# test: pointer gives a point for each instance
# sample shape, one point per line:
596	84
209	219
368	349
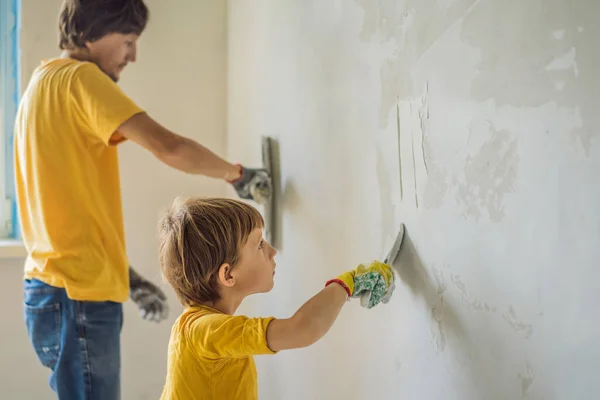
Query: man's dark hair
84	21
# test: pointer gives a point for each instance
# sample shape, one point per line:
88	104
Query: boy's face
256	268
113	52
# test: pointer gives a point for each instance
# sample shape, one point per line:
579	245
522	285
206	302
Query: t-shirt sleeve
226	336
102	104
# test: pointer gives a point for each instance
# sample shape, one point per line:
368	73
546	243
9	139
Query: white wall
498	146
179	79
474	122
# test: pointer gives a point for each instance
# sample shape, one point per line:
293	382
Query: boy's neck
227	304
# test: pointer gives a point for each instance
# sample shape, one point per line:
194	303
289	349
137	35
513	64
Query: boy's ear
225	277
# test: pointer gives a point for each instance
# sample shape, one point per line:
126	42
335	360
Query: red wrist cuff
339	282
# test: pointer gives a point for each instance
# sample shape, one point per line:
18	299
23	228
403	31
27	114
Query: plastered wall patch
516	324
489	175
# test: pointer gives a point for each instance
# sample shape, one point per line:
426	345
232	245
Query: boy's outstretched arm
312	321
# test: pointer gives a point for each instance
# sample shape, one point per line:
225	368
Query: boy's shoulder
217	335
203	320
203	317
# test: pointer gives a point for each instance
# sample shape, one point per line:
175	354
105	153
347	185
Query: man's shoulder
66	68
60	63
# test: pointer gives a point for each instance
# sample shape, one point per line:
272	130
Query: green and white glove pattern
372	288
373	283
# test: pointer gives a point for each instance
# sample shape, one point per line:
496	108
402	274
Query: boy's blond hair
197	236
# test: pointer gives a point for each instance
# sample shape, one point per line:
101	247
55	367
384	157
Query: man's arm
177	151
310	323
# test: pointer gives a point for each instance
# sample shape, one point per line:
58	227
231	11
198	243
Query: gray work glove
254	184
151	301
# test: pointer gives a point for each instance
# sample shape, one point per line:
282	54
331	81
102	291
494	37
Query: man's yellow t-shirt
67	179
211	356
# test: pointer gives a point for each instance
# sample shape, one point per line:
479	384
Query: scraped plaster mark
412	142
388	208
517	325
437	330
413	123
488	176
416	112
580	29
527	379
437	313
559	85
423	117
399	148
475	303
565	62
440	282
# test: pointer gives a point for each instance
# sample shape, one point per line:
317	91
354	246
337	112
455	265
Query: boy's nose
273	251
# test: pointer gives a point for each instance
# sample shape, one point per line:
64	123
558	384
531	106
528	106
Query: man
77	273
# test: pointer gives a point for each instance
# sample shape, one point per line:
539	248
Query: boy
71	118
213	255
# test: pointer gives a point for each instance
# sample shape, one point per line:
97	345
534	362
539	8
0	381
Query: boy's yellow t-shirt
67	179
211	356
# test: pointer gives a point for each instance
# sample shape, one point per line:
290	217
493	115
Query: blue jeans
78	340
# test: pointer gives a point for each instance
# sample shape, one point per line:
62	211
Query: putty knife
393	253
270	207
389	260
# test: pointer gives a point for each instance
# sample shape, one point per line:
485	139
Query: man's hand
372	283
151	301
254	184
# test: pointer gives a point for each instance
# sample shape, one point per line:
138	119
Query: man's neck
76	54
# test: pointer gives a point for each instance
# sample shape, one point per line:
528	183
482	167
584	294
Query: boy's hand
151	301
253	184
373	283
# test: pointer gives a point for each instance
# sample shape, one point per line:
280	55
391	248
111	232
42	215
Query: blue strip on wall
16	73
10	25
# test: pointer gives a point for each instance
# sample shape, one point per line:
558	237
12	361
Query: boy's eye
261	245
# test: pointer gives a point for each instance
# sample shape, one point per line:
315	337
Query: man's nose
133	53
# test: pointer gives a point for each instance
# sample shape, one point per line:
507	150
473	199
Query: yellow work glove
373	283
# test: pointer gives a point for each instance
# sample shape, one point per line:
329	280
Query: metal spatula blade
393	253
